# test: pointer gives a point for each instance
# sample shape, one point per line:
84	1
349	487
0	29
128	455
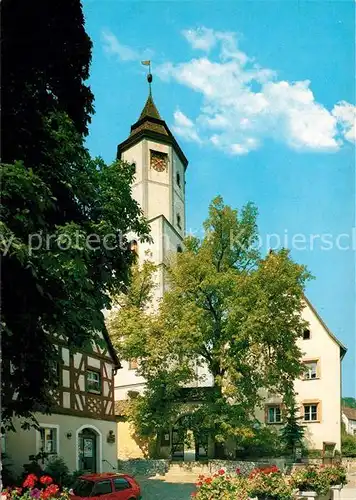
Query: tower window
179	249
178	179
179	221
306	334
133	165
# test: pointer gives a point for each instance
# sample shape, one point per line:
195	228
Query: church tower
159	188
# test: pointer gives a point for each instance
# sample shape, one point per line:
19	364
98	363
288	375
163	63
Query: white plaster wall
159	183
22	443
350	425
327	389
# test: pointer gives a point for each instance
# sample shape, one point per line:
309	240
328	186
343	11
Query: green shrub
348	446
8	477
312	453
58	470
265	443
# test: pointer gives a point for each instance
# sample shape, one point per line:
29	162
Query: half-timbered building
81	427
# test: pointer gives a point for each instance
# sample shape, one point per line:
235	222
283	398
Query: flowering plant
269	483
221	485
42	488
311	478
335	474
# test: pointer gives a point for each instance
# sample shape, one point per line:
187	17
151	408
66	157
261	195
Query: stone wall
143	467
245	467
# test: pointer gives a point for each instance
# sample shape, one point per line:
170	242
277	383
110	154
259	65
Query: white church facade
159	187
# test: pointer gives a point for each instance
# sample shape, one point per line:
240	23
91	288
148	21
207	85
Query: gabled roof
111	349
343	349
350	413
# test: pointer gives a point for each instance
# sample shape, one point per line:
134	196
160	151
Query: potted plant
221	485
310	482
269	483
336	477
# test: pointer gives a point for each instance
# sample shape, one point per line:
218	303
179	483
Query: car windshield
83	488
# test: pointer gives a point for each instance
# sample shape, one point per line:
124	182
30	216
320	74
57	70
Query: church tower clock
159	185
159	188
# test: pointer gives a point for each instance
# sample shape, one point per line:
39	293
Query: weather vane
149	75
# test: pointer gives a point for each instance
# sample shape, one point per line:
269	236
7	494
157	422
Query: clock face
159	160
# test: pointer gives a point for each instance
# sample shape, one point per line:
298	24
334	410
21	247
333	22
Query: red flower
50	491
46	480
238	471
199	483
208	480
194	494
221	472
30	481
18	491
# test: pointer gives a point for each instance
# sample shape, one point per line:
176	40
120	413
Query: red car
106	486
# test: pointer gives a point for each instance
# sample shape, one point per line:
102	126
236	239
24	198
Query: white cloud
243	103
184	127
202	38
112	46
346	116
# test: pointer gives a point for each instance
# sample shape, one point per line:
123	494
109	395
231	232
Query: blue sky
260	96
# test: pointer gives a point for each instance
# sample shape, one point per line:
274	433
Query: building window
306	334
311	370
274	414
179	221
311	412
133	364
179	249
49	440
133	165
178	178
93	382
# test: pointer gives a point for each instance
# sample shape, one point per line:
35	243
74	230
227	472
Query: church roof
149	119
151	125
149	109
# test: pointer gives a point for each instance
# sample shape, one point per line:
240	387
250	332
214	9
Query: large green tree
64	215
227	309
349	402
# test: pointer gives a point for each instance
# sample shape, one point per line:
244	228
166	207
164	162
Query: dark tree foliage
292	432
54	196
46	55
349	402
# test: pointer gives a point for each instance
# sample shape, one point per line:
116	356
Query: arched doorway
187	435
89	449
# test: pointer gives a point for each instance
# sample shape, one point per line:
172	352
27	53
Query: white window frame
309	365
310	412
274	421
93	391
38	437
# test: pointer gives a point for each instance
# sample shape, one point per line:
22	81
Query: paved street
157	488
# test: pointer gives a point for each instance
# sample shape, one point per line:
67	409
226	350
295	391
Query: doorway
186	434
88	450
